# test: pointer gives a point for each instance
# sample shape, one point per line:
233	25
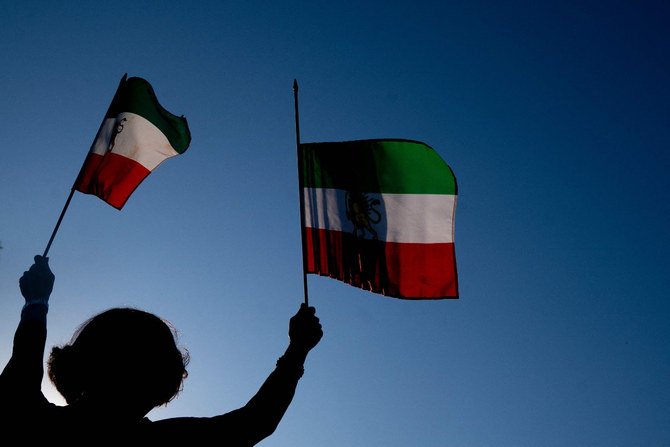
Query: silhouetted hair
123	349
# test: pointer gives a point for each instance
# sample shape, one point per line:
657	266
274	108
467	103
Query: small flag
379	215
136	135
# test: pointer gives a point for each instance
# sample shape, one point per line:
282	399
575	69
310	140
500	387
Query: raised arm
259	418
21	380
266	409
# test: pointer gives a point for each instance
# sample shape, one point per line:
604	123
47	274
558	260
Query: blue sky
553	116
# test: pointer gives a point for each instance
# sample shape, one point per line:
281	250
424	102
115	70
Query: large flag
136	135
379	215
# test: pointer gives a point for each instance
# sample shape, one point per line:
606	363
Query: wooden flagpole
300	193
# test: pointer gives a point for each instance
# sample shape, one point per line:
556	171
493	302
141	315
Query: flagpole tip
295	85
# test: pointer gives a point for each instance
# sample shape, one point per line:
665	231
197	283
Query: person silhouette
119	365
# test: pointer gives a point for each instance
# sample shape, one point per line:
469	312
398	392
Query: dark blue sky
553	116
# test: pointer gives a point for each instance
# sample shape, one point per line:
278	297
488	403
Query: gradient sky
553	116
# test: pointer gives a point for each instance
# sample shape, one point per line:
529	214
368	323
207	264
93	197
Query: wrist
288	365
293	361
35	310
32	301
297	352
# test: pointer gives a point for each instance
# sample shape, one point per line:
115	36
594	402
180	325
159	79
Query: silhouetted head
123	358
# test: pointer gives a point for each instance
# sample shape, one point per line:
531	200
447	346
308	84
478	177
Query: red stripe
408	271
111	177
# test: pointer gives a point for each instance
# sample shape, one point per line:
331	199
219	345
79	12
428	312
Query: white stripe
410	218
138	140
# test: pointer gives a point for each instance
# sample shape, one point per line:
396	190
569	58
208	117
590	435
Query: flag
136	135
379	215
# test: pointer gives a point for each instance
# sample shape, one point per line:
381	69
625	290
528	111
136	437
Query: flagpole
300	192
67	202
60	219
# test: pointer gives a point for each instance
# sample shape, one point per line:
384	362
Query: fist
305	329
37	283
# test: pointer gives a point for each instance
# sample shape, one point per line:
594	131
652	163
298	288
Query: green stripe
136	95
384	166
